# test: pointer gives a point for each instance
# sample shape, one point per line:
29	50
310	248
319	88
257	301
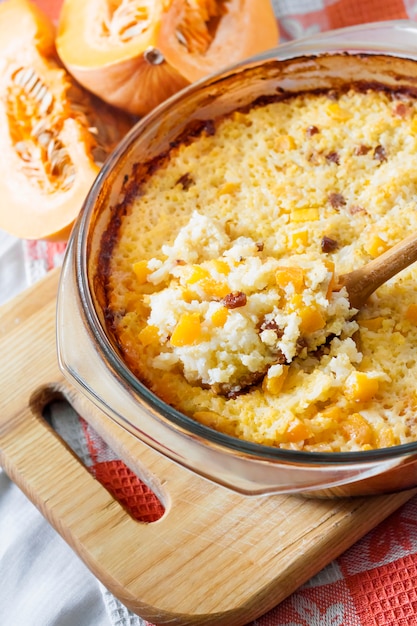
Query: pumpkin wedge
136	53
54	135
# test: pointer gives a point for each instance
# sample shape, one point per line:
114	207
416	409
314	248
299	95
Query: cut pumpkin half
54	135
136	53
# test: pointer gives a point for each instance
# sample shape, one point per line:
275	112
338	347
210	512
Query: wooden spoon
361	283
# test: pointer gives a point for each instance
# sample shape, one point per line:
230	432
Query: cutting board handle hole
140	502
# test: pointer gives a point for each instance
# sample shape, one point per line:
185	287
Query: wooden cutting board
215	557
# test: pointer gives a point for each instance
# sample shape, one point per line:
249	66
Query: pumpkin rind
133	85
186	46
54	136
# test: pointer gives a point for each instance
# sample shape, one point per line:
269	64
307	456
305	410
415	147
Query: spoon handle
361	283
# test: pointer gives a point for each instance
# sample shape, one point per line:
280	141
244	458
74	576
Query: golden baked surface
220	289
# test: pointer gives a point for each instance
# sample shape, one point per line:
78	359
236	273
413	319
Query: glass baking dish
376	53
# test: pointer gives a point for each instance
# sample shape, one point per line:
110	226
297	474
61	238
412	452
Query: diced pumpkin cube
329	265
221	266
332	286
361	387
187	331
311	319
333	412
336	112
214	289
305	215
228	188
141	271
285	276
297	431
385	437
376	246
148	335
283	143
295	302
298	239
274	384
357	429
374	323
197	273
219	317
188	295
210	286
411	313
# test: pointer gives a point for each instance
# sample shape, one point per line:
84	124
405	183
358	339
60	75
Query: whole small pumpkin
134	55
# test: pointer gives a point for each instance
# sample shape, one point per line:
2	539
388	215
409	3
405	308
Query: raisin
356	209
315	157
328	244
235	300
401	109
301	344
280	358
337	200
312	130
186	181
333	157
333	95
272	325
361	150
210	127
380	154
244	386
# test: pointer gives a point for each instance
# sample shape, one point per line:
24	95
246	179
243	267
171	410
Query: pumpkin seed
39	129
50	148
46	102
132	31
57	160
35	89
68	182
181	38
128	20
41	93
44	138
24	75
22	150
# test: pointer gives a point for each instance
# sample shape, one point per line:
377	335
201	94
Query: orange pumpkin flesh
136	54
54	136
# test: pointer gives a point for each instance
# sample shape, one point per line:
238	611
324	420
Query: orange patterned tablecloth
374	583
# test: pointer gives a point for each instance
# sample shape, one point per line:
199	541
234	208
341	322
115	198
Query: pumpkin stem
153	56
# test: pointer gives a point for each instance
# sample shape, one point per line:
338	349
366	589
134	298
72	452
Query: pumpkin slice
136	53
54	135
